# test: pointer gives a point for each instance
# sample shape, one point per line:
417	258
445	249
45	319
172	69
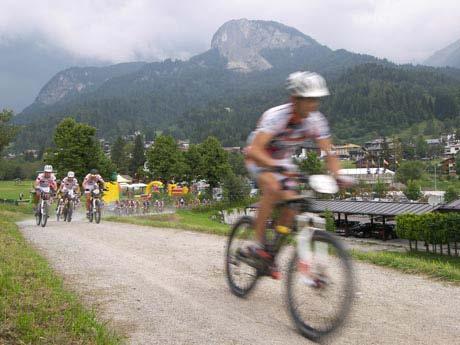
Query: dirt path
164	286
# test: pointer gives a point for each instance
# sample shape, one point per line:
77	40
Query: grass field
12	189
35	307
435	266
182	219
431	265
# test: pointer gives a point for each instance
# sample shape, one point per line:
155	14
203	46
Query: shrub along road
161	286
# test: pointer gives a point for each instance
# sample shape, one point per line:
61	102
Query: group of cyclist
130	206
68	185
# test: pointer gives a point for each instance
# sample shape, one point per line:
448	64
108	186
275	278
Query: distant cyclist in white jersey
280	131
69	183
92	180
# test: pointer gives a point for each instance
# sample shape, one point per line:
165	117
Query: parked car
384	231
362	230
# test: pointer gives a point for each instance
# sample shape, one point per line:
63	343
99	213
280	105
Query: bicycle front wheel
97	214
38	216
44	214
69	211
321	292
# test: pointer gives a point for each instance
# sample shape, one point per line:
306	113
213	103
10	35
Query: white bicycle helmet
307	84
48	168
71	174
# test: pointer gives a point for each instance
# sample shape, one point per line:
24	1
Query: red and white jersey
288	136
43	181
69	183
92	180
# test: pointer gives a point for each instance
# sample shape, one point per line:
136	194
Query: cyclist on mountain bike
91	181
69	183
280	131
43	180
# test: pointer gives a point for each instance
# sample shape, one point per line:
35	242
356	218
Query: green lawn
34	306
182	219
11	189
435	266
431	265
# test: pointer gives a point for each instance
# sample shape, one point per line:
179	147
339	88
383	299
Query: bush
330	222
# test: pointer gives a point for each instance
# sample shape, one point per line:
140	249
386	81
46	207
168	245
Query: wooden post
346	225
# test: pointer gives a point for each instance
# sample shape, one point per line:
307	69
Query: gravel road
164	286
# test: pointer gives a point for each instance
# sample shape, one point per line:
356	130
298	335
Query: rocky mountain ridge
448	56
243	41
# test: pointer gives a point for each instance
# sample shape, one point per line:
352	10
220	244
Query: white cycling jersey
91	181
288	135
69	183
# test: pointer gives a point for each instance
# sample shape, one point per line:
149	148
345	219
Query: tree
235	188
138	155
457	163
380	189
119	156
236	161
164	159
451	194
421	147
215	161
194	160
409	170
7	131
77	149
412	191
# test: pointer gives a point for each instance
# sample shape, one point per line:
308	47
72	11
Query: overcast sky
126	30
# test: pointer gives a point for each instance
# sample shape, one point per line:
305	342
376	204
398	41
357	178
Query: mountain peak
242	41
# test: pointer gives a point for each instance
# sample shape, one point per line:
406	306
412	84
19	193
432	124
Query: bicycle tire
69	212
231	260
38	217
347	290
44	216
97	214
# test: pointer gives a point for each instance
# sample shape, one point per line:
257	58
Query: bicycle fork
312	256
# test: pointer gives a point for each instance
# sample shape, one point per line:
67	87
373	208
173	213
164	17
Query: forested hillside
203	96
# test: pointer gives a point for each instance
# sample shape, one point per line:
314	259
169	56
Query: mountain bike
42	211
320	280
96	204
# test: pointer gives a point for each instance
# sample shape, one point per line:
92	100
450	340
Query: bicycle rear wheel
320	294
241	276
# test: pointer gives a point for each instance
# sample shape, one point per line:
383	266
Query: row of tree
438	229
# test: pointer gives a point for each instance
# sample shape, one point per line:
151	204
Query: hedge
437	229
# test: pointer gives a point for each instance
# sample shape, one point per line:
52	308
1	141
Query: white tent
124	179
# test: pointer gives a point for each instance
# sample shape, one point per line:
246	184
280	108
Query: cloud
126	30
